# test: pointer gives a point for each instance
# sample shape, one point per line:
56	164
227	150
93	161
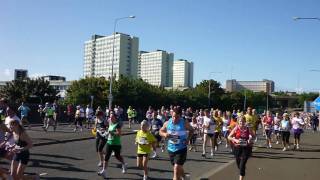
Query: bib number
243	142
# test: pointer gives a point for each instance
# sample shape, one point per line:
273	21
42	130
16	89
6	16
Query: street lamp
315	70
209	91
306	18
110	97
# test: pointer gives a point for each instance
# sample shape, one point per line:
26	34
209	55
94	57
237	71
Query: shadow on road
62	178
56	156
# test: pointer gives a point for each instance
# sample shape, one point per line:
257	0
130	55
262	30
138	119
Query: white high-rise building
182	73
156	67
98	56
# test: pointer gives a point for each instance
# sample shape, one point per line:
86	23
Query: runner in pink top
268	126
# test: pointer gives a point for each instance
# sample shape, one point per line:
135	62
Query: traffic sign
316	103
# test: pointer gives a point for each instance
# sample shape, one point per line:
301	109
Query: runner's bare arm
163	130
190	129
230	137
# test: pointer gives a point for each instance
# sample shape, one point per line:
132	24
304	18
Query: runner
149	114
42	115
24	110
241	136
314	122
49	113
209	126
21	149
70	114
89	116
176	131
55	108
250	119
156	125
268	124
277	121
225	127
145	140
217	115
257	121
297	125
113	145
130	113
285	127
200	123
193	140
79	117
101	139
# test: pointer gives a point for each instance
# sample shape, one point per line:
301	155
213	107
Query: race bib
155	127
174	140
143	141
243	142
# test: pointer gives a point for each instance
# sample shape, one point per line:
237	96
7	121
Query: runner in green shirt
113	145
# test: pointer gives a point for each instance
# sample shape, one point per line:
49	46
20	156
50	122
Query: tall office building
156	67
182	73
255	86
98	55
20	74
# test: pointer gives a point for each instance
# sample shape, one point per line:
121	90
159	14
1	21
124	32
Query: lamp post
209	91
110	97
315	70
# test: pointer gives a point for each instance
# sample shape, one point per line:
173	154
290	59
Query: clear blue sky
246	40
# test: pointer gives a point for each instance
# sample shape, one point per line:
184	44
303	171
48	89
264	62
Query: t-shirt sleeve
151	138
137	136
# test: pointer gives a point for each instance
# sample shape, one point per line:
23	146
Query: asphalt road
266	164
78	160
67	155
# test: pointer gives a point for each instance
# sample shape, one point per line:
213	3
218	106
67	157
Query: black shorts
178	157
3	152
22	157
112	148
268	133
210	135
142	155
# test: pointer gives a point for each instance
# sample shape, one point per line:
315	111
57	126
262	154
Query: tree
80	91
29	90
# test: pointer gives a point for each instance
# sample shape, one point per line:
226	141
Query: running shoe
145	177
100	164
226	145
298	146
216	148
203	155
277	142
288	147
102	173
124	168
270	146
154	155
220	142
75	129
211	154
284	149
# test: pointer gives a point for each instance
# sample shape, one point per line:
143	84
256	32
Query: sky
242	39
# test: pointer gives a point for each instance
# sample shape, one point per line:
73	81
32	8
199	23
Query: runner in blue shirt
24	110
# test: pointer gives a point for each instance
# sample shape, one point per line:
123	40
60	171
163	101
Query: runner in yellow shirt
145	140
217	133
250	119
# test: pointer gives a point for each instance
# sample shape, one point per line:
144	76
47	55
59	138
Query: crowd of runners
178	131
172	129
